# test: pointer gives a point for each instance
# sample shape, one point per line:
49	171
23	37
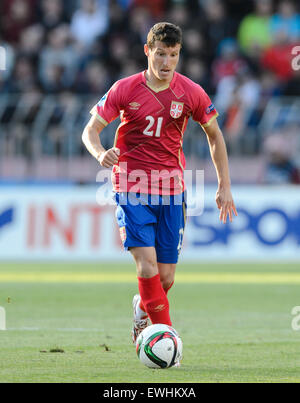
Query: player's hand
109	158
225	204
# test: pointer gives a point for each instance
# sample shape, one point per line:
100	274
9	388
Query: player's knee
147	267
146	262
166	279
167	283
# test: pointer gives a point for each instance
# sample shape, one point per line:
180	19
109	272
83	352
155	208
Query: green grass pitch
234	320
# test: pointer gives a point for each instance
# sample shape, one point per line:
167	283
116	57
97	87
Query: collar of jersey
160	88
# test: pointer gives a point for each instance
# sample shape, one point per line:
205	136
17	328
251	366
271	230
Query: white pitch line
2	318
36	329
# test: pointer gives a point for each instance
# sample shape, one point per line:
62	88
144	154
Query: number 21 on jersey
148	131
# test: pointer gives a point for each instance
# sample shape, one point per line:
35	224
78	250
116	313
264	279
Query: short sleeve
109	106
204	111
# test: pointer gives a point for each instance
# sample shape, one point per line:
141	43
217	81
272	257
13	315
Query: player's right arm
91	139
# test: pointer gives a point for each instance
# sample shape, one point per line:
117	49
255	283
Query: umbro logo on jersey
134	105
176	109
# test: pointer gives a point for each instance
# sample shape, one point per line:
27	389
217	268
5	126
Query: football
159	346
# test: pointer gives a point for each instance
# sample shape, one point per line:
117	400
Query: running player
148	165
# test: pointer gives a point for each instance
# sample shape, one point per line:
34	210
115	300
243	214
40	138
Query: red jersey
151	132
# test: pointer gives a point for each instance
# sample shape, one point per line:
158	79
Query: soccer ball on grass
159	346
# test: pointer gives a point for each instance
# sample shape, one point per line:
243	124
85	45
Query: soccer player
148	165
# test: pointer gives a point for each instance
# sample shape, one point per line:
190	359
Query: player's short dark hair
165	32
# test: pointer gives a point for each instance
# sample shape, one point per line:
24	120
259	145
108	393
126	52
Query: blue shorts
152	220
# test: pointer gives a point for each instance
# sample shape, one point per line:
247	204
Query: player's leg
169	237
145	259
137	230
153	296
167	275
139	311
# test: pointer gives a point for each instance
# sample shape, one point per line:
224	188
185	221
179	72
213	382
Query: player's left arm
219	157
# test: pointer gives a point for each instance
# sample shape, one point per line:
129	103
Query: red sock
166	290
154	300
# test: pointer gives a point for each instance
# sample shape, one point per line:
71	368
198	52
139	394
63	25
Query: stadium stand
62	56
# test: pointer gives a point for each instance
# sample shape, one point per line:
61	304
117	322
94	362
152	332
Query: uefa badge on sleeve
209	109
176	109
102	100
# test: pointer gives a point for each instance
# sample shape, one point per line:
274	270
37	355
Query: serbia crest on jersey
176	109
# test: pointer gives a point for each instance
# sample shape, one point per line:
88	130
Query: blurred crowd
237	48
239	51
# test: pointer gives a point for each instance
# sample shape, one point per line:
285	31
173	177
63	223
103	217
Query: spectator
155	7
278	57
90	21
23	78
194	44
269	87
94	79
106	44
196	71
229	62
118	49
237	98
286	21
254	30
139	23
280	167
217	26
129	68
178	14
118	19
17	15
58	61
51	13
32	40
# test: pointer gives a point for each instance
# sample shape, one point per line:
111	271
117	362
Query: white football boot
179	354
138	324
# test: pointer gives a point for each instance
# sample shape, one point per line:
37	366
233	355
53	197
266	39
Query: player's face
162	61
